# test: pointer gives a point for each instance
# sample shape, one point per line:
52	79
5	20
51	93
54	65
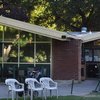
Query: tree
16	9
63	15
42	14
73	14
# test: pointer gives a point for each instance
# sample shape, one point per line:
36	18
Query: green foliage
67	15
73	14
41	56
42	15
22	40
28	59
63	15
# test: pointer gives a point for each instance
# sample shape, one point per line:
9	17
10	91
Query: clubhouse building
26	47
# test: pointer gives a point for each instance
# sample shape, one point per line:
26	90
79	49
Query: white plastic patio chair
14	86
49	84
33	85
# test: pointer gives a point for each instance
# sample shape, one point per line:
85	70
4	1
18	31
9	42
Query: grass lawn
64	98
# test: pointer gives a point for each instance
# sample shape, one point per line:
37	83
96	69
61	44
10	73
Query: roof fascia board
33	28
91	37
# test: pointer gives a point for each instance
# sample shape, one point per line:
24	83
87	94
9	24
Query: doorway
92	70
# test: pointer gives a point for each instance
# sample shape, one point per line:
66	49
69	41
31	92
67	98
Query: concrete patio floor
64	88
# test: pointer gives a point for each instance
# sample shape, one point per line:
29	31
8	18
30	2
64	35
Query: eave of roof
20	25
88	36
91	37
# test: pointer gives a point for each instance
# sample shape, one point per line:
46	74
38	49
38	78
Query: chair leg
45	94
42	93
50	93
57	93
16	95
12	95
24	94
28	92
31	94
8	95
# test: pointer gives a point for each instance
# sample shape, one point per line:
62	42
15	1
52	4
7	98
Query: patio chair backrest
32	83
45	81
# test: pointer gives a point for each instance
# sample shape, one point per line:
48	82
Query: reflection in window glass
10	53
26	68
27	37
1	35
0	71
0	52
44	69
96	55
88	55
1	32
24	50
10	34
27	53
42	53
42	38
10	71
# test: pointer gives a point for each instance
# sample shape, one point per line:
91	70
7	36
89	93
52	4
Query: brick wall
66	61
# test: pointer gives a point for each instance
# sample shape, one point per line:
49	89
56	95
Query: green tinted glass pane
44	69
1	35
0	71
26	68
0	52
42	38
88	55
96	55
10	71
10	34
10	53
27	37
42	53
1	32
27	53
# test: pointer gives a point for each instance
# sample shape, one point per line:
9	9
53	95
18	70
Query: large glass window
0	52
21	52
0	71
10	34
96	55
42	38
27	53
10	53
1	32
44	69
88	55
42	53
10	71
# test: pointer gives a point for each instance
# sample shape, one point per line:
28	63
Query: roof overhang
86	36
91	37
20	25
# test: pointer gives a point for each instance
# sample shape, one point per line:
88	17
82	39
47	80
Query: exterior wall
66	60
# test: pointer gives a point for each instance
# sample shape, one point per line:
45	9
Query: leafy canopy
63	15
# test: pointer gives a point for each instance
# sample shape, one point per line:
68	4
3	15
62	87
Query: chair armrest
10	87
53	83
29	85
22	85
19	85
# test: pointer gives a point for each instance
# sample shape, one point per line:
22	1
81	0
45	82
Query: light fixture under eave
63	36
